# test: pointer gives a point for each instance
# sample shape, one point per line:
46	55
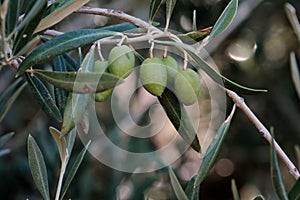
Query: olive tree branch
239	101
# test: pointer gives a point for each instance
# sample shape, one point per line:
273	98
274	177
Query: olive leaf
295	72
60	143
179	192
13	12
194	36
60	45
218	78
154	6
276	176
64	9
211	155
170	4
43	97
24	35
234	190
38	167
73	170
294	193
79	82
225	19
179	118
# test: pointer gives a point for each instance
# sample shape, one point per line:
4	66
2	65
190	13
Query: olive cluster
155	74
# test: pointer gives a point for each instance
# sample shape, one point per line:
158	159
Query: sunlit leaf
225	19
179	118
294	193
176	185
194	36
38	167
60	13
72	65
73	170
234	190
24	35
5	138
60	45
211	155
295	72
79	82
276	175
60	142
5	108
154	6
218	78
43	97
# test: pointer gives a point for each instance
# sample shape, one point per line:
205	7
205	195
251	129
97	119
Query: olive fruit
187	86
101	67
121	61
172	68
153	74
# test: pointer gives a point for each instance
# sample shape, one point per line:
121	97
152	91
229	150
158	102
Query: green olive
121	61
172	68
153	74
187	86
101	66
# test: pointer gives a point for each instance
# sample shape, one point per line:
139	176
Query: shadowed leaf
154	6
211	155
5	138
60	45
295	73
179	118
43	97
79	82
73	170
176	185
294	193
276	176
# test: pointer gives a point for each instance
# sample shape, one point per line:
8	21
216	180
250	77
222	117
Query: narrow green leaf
60	13
72	65
170	4
5	108
234	190
276	176
60	94
218	78
297	152
73	170
295	72
194	36
154	6
176	185
38	167
123	27
294	193
24	34
79	82
259	197
60	142
211	154
29	46
225	19
190	187
60	45
70	140
43	97
12	16
179	118
194	20
5	138
68	121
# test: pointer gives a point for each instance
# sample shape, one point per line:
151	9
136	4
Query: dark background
265	33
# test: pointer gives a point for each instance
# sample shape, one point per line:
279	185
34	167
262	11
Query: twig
114	14
239	101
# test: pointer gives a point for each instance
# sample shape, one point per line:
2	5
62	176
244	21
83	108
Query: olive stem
99	51
239	101
151	48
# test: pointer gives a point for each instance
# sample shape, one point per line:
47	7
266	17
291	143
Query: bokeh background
254	52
